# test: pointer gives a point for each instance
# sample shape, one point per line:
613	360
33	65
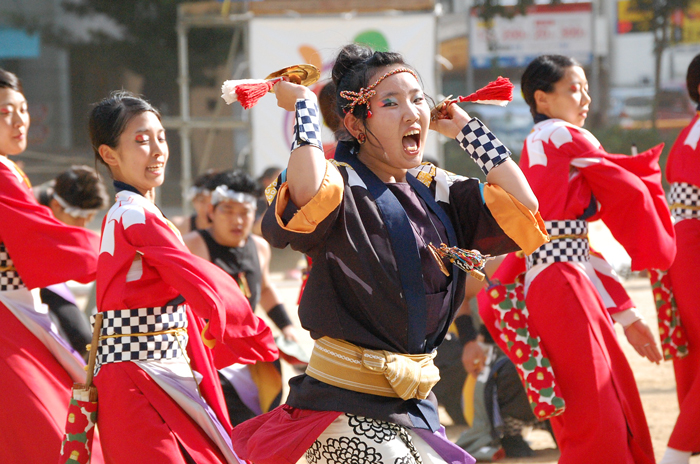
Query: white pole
186	147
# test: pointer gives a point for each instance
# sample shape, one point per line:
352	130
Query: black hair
692	79
353	68
271	172
44	192
541	74
109	118
9	80
202	179
81	187
237	180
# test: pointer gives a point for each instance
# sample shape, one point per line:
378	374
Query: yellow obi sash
376	372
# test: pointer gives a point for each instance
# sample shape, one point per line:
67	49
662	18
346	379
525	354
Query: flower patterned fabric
80	428
674	342
525	349
362	440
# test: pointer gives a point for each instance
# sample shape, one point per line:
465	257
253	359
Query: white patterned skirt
361	440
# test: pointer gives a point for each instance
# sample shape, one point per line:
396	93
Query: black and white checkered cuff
483	147
307	125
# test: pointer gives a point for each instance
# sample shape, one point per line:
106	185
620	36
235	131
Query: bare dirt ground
656	382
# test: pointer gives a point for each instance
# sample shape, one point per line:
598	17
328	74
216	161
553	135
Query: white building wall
632	60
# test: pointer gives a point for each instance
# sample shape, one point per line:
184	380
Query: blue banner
17	43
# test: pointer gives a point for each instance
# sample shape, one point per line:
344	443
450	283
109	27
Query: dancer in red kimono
575	180
37	367
683	173
170	318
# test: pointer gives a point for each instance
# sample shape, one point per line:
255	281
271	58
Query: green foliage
488	9
662	11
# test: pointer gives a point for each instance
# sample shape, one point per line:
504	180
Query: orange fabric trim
327	199
208	342
21	173
269	382
517	221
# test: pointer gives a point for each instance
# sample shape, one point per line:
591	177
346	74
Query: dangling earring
362	138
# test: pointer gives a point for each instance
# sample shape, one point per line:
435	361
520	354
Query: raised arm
457	124
307	163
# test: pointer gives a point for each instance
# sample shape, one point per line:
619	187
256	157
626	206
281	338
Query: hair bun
349	57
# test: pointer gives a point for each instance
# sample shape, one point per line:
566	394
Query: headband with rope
362	97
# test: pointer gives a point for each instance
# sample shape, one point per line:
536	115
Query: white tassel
492	102
228	89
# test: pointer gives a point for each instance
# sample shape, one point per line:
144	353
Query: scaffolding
236	16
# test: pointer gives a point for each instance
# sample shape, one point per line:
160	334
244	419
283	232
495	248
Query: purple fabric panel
447	450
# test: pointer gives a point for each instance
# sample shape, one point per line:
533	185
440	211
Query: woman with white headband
74	197
379	300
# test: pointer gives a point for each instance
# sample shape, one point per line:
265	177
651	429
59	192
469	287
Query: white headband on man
223	193
194	191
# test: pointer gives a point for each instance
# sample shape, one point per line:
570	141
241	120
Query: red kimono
683	173
573	177
604	278
36	372
144	264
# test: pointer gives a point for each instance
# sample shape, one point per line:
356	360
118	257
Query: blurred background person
74	197
253	389
268	176
199	196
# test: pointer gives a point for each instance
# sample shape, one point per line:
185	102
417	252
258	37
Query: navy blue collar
539	117
119	186
403	242
697	108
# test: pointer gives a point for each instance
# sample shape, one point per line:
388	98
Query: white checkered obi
307	125
562	249
483	147
685	201
9	278
140	347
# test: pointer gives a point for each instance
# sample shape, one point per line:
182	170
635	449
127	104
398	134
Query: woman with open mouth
379	299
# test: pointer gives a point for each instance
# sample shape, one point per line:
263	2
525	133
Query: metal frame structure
237	15
185	123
